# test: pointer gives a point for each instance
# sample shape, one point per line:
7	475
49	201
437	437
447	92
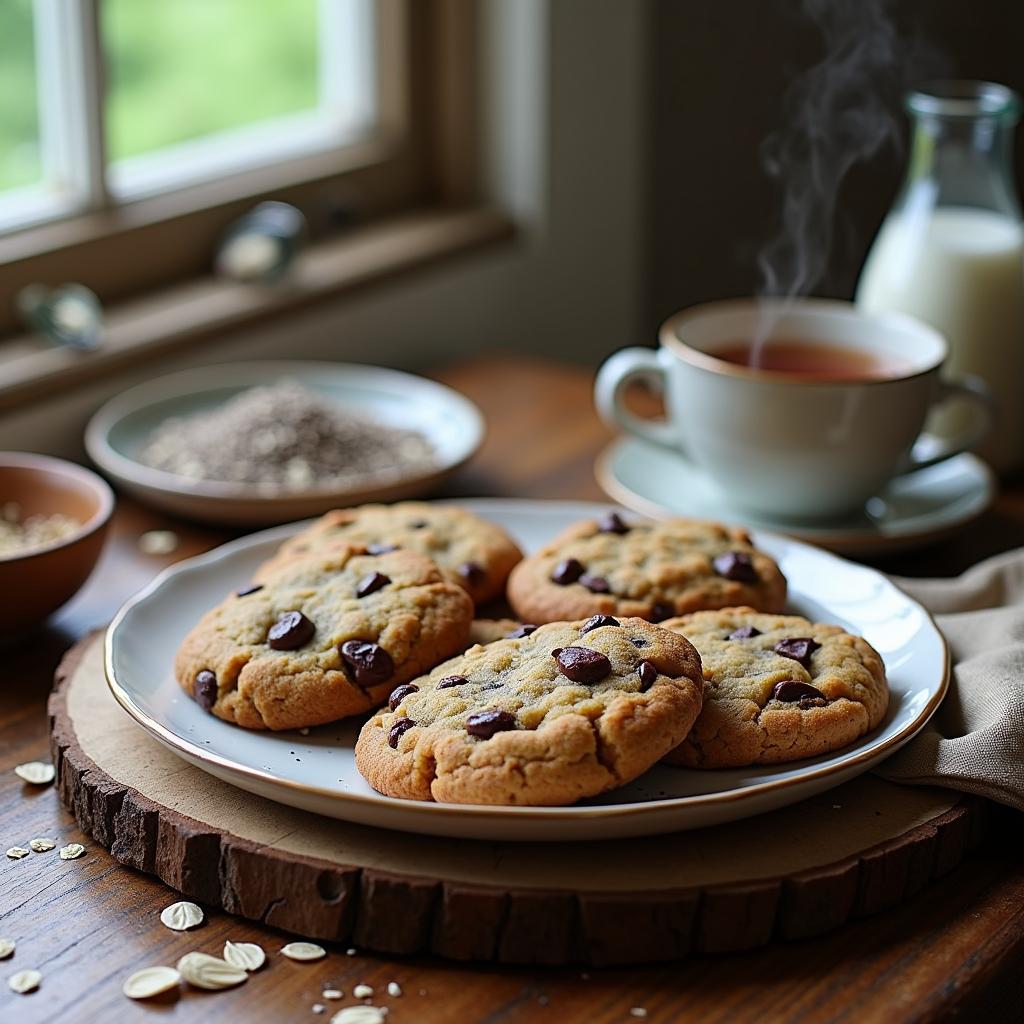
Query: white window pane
199	88
20	157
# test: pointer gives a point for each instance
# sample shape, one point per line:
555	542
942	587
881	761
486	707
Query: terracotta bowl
37	583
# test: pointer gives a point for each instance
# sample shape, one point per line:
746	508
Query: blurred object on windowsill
262	245
68	316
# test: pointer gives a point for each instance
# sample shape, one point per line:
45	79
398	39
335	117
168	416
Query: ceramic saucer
911	511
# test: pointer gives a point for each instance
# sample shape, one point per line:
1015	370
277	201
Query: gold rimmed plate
316	772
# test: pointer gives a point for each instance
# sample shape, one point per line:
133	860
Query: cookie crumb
394	989
319	1007
362	991
332	993
637	1011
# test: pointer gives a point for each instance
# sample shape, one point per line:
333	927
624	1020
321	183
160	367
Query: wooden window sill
176	318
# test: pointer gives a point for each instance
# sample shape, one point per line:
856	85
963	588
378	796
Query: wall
720	68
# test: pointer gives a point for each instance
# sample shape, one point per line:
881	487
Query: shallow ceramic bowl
34	584
115	435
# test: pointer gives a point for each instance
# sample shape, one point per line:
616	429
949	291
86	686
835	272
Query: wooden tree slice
796	872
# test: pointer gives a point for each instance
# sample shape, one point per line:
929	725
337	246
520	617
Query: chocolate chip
524	630
737	566
450	681
582	665
791	690
491	686
399	693
472	573
398	730
291	631
744	633
380	549
365	663
417	524
205	689
647	673
662	611
249	590
638	641
799	648
371	583
595	584
567	572
484	724
597	621
612	523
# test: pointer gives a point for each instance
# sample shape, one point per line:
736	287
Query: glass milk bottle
950	251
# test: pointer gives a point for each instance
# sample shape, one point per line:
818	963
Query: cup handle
617	373
977	391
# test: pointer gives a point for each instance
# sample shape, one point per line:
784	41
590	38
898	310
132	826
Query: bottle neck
962	161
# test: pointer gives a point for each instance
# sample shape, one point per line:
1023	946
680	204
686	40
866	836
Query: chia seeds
284	437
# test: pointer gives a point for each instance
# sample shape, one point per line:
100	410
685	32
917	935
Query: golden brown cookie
777	688
650	569
322	637
475	554
566	712
486	631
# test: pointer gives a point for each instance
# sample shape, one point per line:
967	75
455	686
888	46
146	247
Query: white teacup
790	444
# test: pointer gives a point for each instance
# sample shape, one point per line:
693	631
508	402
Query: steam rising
837	113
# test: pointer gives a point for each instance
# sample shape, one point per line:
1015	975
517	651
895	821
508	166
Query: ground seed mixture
284	437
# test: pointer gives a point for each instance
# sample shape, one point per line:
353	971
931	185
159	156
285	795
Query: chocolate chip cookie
322	637
486	631
567	711
777	688
650	569
475	554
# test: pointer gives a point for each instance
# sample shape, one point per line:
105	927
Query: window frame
422	154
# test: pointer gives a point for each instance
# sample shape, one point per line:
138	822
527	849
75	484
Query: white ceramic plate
114	435
913	510
317	772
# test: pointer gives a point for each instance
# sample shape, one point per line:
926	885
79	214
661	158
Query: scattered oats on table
6	948
41	845
17	852
158	542
24	981
304	951
247	955
72	851
285	437
181	916
150	981
210	972
38	773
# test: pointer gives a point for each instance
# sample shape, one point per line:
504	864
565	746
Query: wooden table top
87	924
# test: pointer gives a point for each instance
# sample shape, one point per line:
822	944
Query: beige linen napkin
975	741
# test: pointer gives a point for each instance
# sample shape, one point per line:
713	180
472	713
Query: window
113	100
196	89
132	132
